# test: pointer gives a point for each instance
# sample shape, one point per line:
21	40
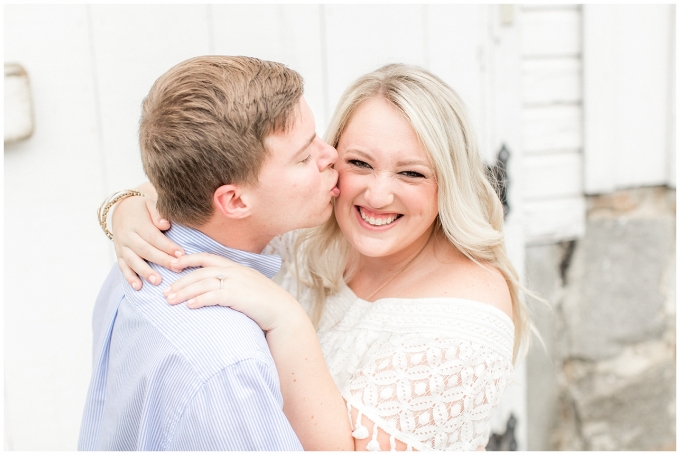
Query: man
230	145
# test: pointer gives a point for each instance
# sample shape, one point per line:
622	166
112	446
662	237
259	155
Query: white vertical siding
132	46
628	94
291	34
361	38
54	254
670	151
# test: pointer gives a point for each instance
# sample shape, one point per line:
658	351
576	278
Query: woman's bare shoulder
466	279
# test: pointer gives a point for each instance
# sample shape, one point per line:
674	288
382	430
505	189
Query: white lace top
429	372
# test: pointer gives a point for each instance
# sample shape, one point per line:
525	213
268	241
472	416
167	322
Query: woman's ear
232	201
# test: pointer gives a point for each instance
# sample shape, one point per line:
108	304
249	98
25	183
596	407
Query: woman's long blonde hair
470	212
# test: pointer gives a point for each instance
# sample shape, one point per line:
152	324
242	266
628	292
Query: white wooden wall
91	65
629	100
552	132
598	108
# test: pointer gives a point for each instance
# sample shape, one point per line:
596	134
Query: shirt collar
194	241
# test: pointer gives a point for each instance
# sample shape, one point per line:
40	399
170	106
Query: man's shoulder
209	339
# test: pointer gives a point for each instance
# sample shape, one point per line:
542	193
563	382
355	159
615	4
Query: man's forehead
299	132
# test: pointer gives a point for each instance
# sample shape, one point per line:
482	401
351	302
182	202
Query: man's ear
232	201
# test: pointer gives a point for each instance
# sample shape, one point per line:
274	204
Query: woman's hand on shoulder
241	288
137	236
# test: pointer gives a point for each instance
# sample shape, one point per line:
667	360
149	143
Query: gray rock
628	414
616	295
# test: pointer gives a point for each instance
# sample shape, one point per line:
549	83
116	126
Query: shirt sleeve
240	408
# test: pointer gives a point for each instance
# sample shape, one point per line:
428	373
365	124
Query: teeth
379	221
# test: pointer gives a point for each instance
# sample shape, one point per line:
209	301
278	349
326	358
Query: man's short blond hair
203	125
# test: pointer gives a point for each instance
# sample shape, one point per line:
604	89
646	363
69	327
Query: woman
415	302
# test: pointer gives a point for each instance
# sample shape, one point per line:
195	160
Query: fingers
210	299
157	239
130	275
196	276
200	260
194	290
131	260
158	221
148	248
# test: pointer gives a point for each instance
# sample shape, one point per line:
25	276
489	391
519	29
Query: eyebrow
302	149
413	162
399	163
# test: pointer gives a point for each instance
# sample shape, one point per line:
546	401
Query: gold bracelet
103	210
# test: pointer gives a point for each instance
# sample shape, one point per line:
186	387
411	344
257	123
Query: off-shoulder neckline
344	287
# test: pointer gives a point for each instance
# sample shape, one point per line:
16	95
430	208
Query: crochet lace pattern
429	372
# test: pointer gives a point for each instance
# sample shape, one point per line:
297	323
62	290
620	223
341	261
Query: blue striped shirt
171	378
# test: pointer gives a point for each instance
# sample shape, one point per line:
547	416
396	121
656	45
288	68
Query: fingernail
136	286
172	296
190	302
152	279
166	290
178	253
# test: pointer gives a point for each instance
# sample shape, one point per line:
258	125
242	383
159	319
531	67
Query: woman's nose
379	191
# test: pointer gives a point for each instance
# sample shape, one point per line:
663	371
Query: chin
372	250
318	219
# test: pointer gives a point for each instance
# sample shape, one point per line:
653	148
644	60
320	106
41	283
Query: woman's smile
374	219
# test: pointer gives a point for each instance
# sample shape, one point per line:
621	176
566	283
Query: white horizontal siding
548	6
555	219
551	33
552	123
551	81
552	176
552	127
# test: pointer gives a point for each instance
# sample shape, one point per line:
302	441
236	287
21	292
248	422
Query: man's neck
235	234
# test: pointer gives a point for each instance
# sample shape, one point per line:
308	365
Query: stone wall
605	377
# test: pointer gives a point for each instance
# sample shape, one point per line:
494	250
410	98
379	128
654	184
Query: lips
335	191
376	219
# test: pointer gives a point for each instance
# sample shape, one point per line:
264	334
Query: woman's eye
306	160
412	174
359	163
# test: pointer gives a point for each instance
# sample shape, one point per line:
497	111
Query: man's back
170	378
